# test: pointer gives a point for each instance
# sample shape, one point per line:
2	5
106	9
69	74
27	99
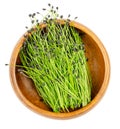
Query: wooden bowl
99	67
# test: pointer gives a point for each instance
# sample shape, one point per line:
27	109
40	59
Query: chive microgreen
54	58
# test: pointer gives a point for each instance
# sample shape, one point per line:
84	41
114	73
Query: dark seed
38	67
61	16
51	10
32	21
29	31
37	20
48	16
44	21
52	7
57	8
68	15
75	49
68	20
34	14
30	15
81	47
37	24
51	19
37	12
26	27
32	29
44	9
54	11
6	64
25	36
49	4
75	17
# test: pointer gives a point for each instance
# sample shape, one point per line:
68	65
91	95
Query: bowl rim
75	113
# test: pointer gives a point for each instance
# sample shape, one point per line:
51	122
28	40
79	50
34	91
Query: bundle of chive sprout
54	58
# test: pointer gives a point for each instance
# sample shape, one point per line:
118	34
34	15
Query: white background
103	18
